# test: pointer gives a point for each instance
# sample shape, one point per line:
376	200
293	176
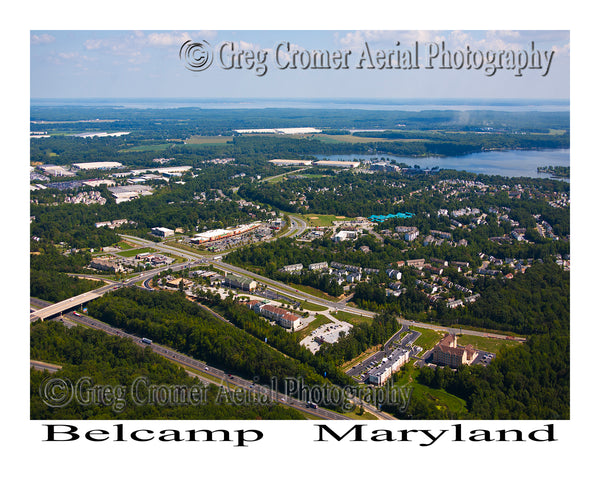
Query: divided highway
209	374
212	374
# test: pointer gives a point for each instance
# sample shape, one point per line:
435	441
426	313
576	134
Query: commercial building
239	282
388	366
336	163
97	165
111	224
283	131
448	352
344	235
280	315
166	171
175	282
287	163
221	233
384	167
162	232
129	192
56	171
107	264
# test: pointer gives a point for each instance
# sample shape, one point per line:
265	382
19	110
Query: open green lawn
492	345
125	245
316	220
312	307
428	338
283	176
312	175
312	291
207	140
148	148
136	251
442	399
352	318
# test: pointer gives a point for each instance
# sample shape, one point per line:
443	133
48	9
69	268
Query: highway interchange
209	373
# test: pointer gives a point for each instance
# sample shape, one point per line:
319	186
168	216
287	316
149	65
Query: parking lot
360	371
328	333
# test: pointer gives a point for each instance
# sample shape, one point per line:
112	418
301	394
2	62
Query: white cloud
94	44
389	37
167	39
42	38
68	55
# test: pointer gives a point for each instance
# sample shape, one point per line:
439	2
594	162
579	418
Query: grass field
352	318
133	253
311	307
159	147
123	245
316	220
312	291
208	140
492	345
428	337
442	399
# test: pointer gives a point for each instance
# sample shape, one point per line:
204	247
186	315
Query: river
508	163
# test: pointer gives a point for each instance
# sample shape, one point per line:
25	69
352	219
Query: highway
43	366
297	227
209	373
198	259
193	259
69	303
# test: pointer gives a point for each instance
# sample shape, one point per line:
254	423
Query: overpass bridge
68	304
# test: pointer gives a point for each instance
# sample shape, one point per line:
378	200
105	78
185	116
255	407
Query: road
297	227
198	259
193	259
43	366
209	373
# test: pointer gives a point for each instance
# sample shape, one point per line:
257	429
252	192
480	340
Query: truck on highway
147	341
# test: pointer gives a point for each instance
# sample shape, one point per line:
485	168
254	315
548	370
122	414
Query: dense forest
526	382
173	122
47	273
174	321
99	360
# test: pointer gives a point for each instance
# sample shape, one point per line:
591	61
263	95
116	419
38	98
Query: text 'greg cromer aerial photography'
299	225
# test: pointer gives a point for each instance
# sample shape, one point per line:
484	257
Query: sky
153	64
108	49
